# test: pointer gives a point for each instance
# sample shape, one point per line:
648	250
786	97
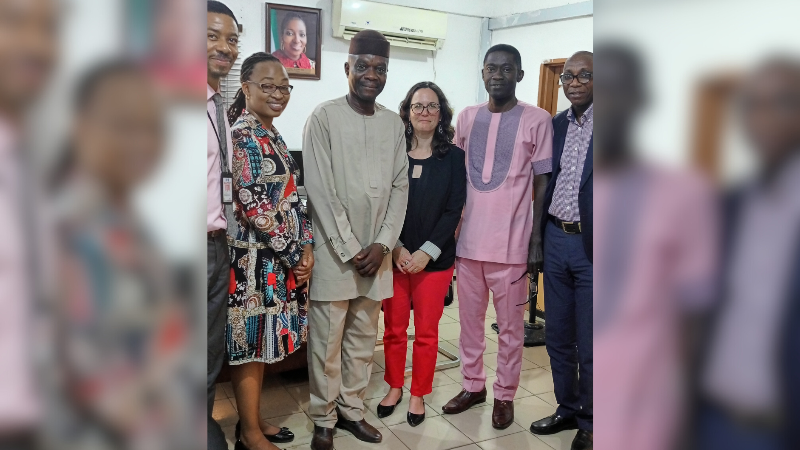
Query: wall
679	47
449	68
539	42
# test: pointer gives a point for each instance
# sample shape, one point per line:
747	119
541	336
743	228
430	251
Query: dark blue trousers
568	313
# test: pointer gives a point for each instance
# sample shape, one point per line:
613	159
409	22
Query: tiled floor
284	403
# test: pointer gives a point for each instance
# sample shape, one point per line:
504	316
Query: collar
587	116
258	129
210	92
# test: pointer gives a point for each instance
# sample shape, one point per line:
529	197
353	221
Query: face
622	103
28	49
770	106
424	121
579	94
366	75
120	135
271	104
501	75
294	38
223	45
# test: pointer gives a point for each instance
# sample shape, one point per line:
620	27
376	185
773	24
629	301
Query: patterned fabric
576	144
267	312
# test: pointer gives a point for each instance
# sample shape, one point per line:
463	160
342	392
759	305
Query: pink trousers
474	281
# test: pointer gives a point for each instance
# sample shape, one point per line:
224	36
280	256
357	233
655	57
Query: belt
566	227
215	233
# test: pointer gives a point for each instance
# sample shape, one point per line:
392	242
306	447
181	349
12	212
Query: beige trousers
341	343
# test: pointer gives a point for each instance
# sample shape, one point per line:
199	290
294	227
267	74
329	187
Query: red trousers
427	290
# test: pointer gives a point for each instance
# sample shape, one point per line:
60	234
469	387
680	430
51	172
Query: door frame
549	84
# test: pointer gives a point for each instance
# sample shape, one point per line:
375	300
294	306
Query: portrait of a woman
292	42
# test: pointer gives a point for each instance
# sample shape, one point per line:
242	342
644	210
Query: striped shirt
576	144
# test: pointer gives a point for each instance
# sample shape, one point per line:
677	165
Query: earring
409	130
440	128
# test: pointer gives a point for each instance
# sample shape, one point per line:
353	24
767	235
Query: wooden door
549	84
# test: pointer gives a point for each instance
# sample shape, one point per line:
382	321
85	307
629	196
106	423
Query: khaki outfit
357	183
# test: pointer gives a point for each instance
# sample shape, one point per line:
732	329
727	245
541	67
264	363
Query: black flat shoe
415	419
386	411
281	437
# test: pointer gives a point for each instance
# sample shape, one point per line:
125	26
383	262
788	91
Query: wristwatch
386	250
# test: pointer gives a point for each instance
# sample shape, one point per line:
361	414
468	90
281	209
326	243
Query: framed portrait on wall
294	36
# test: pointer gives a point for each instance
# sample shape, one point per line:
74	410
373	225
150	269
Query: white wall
539	42
454	68
679	46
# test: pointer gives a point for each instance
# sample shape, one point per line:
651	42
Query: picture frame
294	35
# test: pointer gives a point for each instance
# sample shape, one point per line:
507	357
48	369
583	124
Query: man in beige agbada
354	154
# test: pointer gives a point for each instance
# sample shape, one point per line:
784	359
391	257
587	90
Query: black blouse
435	201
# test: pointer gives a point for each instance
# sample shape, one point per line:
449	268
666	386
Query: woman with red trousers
425	255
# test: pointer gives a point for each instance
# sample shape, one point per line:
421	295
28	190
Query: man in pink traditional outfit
508	145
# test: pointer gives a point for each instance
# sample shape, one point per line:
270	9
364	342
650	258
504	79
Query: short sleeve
542	137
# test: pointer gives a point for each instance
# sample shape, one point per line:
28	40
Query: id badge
227	188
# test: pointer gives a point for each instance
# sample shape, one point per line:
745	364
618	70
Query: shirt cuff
346	250
399	244
431	249
542	166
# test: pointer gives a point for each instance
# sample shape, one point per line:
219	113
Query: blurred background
102	191
698	216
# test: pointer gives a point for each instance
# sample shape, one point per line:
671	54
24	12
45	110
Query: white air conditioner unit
402	26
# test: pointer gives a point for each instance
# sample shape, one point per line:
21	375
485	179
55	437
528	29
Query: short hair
508	49
290	17
626	57
220	8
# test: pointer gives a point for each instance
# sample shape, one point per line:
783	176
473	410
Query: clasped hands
408	263
302	271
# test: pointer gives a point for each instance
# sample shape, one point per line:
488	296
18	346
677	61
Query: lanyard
223	161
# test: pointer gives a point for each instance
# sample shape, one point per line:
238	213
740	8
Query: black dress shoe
361	430
553	424
386	411
281	437
416	419
583	440
322	440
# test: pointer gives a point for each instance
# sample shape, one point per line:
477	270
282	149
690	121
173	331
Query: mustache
223	56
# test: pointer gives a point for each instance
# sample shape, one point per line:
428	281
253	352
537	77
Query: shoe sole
502	426
371	441
558	430
483	400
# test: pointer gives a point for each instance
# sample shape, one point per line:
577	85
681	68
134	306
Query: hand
368	261
535	258
302	271
401	258
418	262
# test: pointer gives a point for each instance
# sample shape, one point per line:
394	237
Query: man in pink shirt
28	52
508	146
222	37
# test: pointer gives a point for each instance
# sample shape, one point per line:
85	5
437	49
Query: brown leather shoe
323	438
463	401
502	414
361	430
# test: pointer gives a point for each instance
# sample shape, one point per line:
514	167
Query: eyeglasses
432	108
583	77
268	88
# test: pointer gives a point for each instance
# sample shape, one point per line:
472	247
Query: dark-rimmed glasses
269	88
432	108
583	77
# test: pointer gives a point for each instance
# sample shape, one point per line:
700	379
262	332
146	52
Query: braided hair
238	106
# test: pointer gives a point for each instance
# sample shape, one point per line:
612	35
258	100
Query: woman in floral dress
270	246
